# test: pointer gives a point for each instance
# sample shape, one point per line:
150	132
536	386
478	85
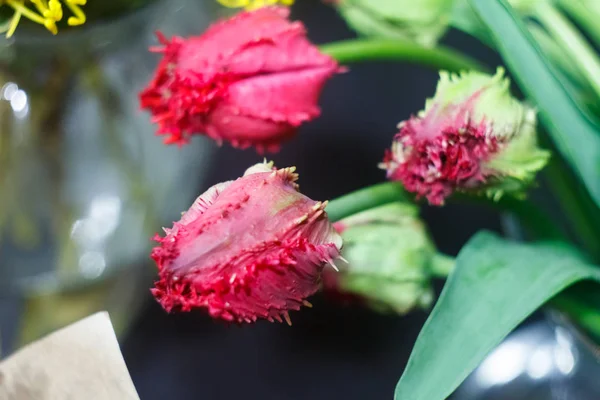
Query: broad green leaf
465	19
496	284
575	135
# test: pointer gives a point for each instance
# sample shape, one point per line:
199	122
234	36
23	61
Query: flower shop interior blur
101	146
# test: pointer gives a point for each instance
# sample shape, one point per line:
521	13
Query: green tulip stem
361	50
442	265
365	199
534	219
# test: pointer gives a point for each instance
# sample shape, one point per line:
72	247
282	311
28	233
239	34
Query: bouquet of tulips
255	248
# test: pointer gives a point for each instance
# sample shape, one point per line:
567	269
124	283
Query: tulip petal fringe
248	249
250	80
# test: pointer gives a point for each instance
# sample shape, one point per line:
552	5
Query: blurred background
99	166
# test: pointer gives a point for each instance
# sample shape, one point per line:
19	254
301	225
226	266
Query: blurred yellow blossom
253	4
43	12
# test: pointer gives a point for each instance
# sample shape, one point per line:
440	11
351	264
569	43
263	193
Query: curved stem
535	220
360	50
365	199
442	265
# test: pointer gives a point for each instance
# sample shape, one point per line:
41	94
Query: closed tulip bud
251	80
422	23
473	136
389	259
246	249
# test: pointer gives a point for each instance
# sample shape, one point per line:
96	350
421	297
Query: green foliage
575	135
495	285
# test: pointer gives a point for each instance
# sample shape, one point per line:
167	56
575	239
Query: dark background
330	351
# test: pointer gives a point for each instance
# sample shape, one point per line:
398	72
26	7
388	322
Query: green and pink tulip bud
473	136
389	260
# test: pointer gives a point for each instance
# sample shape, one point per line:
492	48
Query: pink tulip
250	80
246	249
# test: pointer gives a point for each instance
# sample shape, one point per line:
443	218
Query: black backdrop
330	351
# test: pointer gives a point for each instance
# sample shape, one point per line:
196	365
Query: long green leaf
496	284
464	19
586	13
575	135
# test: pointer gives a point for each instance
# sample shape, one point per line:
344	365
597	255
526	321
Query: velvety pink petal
243	216
244	131
288	52
289	97
249	80
203	201
226	37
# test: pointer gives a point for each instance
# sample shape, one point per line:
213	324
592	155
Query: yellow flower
43	12
253	4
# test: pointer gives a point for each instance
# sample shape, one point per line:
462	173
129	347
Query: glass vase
84	182
546	358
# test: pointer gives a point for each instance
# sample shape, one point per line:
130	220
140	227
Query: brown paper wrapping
80	362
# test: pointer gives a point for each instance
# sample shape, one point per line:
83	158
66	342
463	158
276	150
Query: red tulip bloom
250	80
246	249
